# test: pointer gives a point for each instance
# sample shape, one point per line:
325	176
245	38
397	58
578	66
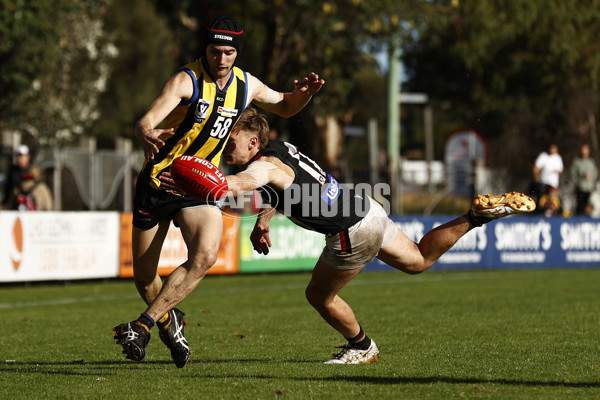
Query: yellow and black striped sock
164	322
145	322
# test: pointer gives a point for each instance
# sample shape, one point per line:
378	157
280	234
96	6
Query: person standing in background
35	194
584	174
547	170
14	177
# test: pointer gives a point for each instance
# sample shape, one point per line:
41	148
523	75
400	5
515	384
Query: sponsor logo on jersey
228	112
201	110
332	191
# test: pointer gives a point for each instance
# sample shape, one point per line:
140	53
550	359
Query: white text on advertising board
523	236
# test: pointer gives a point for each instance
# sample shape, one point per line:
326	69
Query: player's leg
322	294
404	254
146	246
201	228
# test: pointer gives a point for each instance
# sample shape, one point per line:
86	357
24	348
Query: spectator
547	171
34	192
13	179
584	174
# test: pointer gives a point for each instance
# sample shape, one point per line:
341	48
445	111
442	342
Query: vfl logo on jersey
201	110
228	112
332	191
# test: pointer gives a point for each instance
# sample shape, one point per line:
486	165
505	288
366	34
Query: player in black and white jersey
357	229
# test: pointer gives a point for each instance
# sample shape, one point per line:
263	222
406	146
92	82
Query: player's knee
314	297
200	263
415	269
143	278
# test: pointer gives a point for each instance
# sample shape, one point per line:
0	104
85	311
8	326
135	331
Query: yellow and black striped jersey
203	123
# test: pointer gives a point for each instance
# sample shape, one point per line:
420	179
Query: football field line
401	280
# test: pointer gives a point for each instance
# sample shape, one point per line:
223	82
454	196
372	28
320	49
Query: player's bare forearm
291	103
240	183
178	87
264	217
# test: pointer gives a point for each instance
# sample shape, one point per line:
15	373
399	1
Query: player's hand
310	85
167	182
260	239
150	140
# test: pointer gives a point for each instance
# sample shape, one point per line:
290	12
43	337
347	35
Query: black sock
477	221
361	341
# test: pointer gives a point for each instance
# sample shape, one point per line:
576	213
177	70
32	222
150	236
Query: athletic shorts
360	244
150	206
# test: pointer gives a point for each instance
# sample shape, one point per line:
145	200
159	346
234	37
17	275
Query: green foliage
144	62
25	59
510	66
527	334
53	65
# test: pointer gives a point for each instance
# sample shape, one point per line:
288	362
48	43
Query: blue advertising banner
513	242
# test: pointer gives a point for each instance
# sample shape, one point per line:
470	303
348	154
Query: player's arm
179	87
259	173
285	104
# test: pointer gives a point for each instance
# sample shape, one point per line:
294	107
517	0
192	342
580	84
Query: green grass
530	334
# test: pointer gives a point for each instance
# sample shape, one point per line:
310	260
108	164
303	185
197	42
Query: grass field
532	334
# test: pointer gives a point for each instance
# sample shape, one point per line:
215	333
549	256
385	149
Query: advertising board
514	242
38	246
293	248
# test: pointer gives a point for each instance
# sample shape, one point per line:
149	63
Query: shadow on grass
408	380
76	367
61	368
446	379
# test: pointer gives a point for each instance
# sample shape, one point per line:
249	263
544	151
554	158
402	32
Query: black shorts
150	206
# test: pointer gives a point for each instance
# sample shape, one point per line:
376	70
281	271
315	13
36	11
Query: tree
53	59
523	72
146	58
